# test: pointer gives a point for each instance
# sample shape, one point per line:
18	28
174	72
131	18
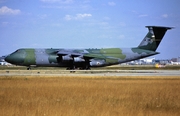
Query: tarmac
90	73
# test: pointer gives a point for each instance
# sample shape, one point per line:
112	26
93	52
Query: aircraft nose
8	59
15	58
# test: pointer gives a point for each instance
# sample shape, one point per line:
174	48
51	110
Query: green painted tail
153	37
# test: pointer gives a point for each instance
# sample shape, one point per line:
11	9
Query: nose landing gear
28	68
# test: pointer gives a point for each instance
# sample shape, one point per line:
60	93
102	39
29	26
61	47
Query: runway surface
90	72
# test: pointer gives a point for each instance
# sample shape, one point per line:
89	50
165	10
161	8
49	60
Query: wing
70	55
85	56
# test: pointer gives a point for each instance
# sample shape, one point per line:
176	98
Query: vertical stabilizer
153	37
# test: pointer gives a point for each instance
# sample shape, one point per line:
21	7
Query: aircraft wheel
29	68
70	68
67	68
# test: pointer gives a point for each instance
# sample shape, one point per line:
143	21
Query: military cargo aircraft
86	58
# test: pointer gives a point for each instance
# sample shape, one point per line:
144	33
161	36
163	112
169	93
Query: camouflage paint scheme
86	58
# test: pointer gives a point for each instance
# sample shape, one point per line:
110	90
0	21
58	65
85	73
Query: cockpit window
19	50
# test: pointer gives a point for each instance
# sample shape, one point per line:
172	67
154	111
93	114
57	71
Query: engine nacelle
79	59
67	58
97	62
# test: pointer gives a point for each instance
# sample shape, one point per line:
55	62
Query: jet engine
97	63
67	58
79	59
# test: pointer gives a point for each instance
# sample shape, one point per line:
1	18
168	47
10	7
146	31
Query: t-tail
153	37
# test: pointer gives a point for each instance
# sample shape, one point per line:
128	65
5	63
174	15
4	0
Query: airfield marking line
92	73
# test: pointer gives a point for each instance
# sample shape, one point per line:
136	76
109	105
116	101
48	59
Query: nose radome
7	59
15	58
10	59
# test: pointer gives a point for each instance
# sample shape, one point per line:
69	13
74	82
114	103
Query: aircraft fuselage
49	57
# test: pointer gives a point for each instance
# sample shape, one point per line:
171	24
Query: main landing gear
86	67
78	68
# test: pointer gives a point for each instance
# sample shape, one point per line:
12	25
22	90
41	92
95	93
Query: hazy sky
87	24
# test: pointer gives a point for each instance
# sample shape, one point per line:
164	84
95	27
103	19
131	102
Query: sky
87	24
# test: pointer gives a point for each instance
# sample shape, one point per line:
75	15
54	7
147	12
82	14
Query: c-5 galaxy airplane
86	58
